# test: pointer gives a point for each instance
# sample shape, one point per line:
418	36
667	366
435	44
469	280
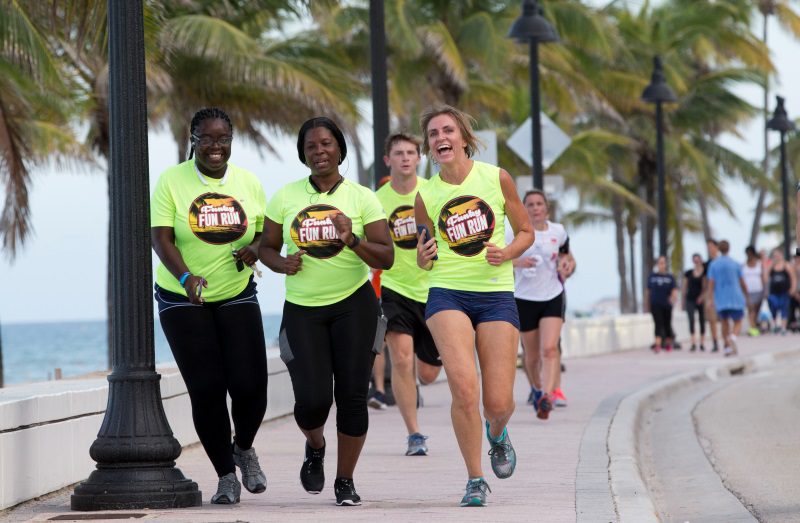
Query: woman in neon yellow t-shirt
334	230
206	216
471	296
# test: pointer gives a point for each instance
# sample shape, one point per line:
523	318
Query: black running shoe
312	473
346	492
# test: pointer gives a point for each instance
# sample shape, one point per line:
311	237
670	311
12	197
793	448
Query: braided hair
207	113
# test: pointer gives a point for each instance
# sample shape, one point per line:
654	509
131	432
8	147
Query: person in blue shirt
728	293
660	295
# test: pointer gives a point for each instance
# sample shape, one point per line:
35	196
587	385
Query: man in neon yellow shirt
404	287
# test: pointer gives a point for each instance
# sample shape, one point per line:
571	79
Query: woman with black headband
334	231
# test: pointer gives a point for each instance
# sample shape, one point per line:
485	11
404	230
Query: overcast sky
60	272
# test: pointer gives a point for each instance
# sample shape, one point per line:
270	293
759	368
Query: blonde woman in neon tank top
471	296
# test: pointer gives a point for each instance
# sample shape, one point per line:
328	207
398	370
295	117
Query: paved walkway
399	488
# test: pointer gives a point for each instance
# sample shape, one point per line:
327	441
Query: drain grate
88	517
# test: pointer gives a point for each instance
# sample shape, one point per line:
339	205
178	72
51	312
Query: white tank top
752	277
541	283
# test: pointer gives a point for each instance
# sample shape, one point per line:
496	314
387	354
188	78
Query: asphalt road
726	450
751	433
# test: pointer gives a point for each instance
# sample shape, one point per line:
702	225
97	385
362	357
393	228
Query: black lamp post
532	27
780	122
135	450
659	92
380	96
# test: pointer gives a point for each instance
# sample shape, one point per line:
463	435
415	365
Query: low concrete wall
603	335
46	429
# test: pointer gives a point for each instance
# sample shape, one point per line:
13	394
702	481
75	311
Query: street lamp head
532	25
658	90
780	121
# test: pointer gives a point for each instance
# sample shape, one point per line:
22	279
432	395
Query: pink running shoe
559	400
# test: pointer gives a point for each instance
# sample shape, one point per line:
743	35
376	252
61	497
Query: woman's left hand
494	254
344	228
247	254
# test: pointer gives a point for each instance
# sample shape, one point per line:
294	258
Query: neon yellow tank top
464	217
405	277
331	272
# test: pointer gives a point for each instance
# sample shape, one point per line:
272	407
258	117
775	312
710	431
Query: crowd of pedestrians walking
722	291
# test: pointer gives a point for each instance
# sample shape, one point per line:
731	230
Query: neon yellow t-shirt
330	272
464	216
210	219
405	277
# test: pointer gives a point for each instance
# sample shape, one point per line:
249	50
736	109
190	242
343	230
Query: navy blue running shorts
480	307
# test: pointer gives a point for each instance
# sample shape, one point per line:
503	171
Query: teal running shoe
476	493
503	456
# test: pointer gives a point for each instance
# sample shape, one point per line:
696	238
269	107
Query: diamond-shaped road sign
554	142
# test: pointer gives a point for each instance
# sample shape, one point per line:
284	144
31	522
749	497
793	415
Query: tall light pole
780	122
659	92
135	450
533	28
380	95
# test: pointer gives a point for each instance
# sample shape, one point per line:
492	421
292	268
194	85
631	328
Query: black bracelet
356	241
797	251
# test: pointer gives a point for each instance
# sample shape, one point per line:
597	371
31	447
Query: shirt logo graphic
403	227
313	231
465	222
217	218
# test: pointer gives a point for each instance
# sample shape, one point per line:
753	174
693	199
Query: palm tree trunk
703	204
619	232
363	173
677	240
762	193
631	239
647	193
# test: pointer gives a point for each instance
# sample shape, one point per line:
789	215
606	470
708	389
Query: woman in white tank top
755	276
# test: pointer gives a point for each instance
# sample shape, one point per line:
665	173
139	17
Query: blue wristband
184	277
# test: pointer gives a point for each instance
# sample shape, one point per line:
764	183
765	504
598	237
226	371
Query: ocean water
32	351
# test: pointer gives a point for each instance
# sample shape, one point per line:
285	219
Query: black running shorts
531	312
408	317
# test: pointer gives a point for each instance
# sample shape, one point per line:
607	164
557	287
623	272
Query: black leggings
662	316
219	348
329	352
691	308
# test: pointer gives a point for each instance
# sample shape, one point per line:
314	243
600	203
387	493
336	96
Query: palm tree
34	117
198	54
790	22
702	65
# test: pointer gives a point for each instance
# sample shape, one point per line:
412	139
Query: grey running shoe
503	456
253	478
345	492
228	490
476	493
312	473
416	445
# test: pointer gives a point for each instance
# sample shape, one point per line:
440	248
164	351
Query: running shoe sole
473	502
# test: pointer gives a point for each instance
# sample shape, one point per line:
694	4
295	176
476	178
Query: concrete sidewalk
399	488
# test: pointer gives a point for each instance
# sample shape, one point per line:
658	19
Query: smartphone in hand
422	230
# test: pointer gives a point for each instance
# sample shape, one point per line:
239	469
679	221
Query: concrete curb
628	489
